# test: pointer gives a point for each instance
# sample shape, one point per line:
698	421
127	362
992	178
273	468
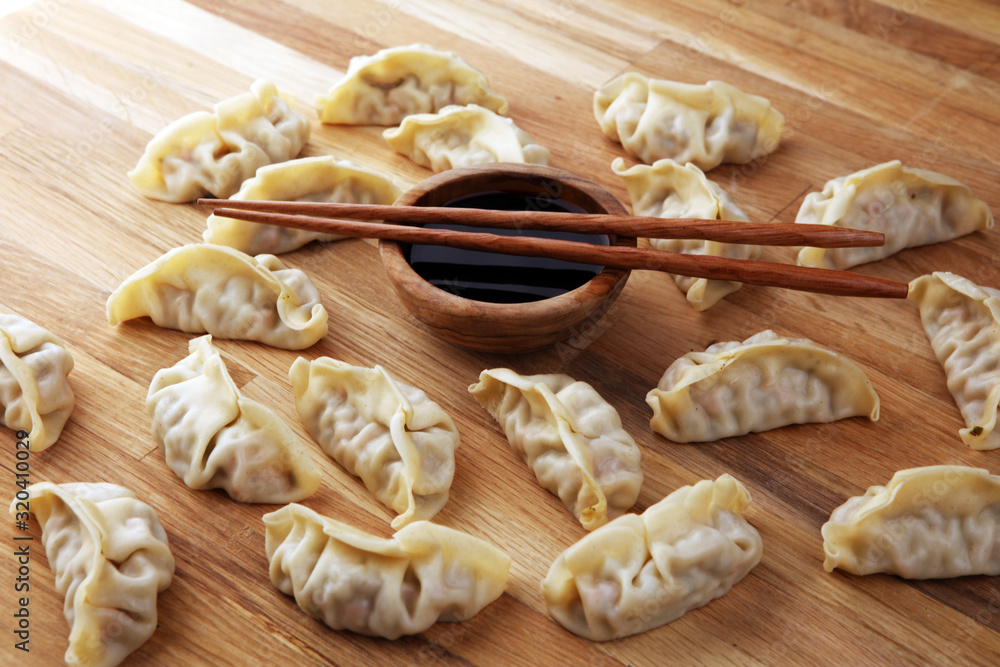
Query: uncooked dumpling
352	580
110	558
926	523
212	153
570	437
391	435
705	124
384	88
764	382
214	437
962	321
912	207
205	288
642	571
35	396
460	136
319	179
669	190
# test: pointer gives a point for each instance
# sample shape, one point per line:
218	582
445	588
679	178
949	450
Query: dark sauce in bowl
498	278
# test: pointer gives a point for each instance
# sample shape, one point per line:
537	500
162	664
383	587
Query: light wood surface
87	82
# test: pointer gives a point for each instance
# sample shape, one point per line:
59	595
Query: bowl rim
505	176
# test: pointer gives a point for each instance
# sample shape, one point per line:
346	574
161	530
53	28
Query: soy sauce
497	278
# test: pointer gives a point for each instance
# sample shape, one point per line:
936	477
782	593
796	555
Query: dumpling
927	523
460	136
912	207
962	321
642	571
213	152
391	435
321	179
110	558
668	190
214	437
205	288
384	88
352	580
765	382
570	437
706	125
35	396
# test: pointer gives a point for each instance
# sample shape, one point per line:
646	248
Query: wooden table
87	82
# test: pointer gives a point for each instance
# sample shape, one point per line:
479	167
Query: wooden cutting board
87	82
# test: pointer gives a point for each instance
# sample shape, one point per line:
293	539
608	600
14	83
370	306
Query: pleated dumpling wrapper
926	523
206	288
391	435
214	437
384	88
912	207
211	153
460	136
962	321
765	382
318	179
642	571
669	190
110	558
570	437
35	396
352	580
706	125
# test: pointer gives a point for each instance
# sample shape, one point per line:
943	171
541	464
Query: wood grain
88	82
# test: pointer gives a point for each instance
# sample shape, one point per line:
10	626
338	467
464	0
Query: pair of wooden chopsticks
315	216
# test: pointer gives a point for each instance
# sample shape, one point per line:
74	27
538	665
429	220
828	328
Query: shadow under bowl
506	327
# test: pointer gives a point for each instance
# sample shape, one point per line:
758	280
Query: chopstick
723	231
823	281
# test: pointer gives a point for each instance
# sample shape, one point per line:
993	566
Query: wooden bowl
506	327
